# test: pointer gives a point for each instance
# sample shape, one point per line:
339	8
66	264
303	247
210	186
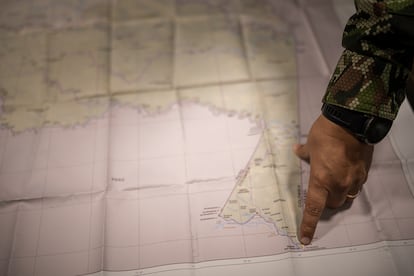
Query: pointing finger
314	206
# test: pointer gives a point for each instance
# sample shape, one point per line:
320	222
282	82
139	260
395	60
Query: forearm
371	74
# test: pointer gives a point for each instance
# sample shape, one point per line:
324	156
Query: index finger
315	204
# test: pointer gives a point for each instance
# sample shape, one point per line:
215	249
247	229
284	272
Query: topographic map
154	137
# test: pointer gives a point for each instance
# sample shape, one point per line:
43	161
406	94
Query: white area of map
154	137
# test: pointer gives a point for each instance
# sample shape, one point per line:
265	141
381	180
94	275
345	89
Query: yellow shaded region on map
273	174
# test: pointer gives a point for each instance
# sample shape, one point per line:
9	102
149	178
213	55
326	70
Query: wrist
337	132
366	128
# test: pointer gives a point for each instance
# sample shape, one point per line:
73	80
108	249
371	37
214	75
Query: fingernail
305	240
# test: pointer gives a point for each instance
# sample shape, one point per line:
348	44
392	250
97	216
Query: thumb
302	152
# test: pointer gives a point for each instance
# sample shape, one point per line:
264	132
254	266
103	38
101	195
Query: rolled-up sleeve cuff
367	84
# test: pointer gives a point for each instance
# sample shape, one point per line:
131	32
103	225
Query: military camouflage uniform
379	47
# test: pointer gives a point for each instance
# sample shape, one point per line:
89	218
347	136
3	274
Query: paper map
153	137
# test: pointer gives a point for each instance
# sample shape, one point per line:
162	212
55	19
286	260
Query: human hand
339	166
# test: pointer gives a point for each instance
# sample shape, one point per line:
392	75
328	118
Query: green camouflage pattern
372	72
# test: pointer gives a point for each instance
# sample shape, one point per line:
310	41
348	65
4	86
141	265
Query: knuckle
313	211
321	177
362	176
357	177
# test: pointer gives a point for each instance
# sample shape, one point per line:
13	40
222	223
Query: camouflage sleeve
379	46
